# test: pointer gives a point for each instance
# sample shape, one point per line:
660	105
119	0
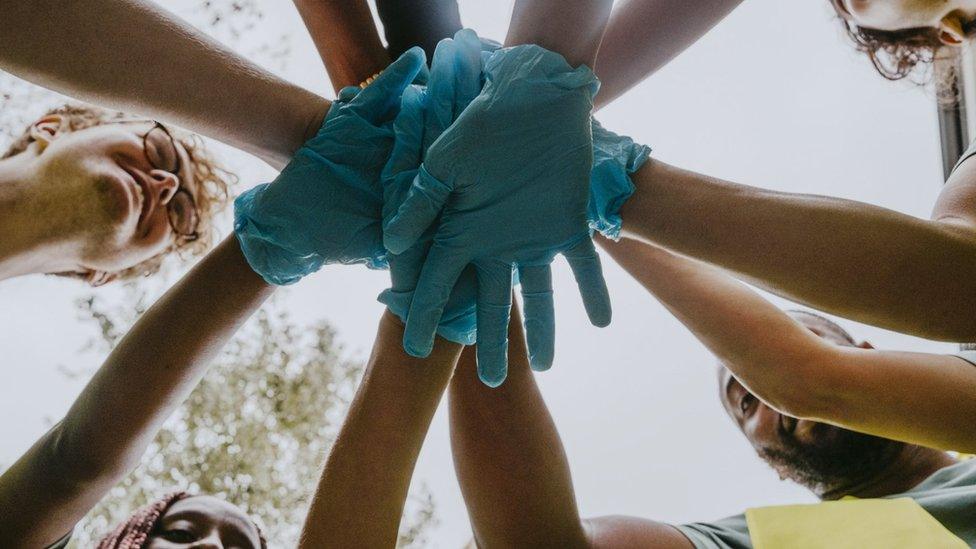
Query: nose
212	541
164	185
763	424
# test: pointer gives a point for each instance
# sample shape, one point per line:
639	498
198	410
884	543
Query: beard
833	461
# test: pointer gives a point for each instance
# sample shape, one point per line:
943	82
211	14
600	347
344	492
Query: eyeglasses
163	154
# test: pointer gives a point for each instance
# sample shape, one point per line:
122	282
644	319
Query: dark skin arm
856	260
148	375
513	470
346	39
362	491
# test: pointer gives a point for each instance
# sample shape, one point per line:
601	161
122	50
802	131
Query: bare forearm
345	37
134	56
363	488
848	258
506	449
163	356
644	35
572	28
107	429
762	345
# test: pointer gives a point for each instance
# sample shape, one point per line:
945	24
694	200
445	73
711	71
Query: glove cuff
274	263
615	158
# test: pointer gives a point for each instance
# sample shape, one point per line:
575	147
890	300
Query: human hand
326	205
454	81
510	180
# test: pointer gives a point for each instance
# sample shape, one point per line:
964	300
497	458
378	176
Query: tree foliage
255	431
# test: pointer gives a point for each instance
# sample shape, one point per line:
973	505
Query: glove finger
420	208
379	100
468	69
441	89
585	263
539	321
494	308
409	130
437	278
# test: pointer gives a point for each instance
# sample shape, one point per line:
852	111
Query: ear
46	129
951	32
864	345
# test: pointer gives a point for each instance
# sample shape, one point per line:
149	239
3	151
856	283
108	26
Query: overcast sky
773	97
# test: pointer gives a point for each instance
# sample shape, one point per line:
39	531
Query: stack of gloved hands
460	187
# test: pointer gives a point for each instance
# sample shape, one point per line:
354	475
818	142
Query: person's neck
913	465
30	240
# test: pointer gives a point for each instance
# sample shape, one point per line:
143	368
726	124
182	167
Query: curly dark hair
897	54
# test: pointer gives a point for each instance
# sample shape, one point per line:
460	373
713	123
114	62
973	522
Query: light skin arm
571	28
848	258
920	398
346	39
363	488
514	473
644	35
852	259
148	375
169	71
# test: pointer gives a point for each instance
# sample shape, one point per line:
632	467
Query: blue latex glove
515	166
454	81
326	205
615	158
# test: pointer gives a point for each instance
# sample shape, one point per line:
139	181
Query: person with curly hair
99	195
161	359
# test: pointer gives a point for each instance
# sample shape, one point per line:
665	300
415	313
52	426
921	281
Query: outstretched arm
153	369
848	258
920	398
513	470
134	56
573	29
361	494
644	35
345	37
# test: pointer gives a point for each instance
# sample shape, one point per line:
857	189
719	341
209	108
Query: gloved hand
454	81
516	168
615	158
326	205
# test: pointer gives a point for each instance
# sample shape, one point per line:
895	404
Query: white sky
773	97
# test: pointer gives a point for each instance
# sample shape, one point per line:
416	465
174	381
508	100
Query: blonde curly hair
213	181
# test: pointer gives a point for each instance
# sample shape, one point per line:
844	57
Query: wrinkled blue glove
326	205
510	179
615	158
454	81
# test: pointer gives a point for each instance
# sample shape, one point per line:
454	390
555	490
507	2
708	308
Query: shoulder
622	531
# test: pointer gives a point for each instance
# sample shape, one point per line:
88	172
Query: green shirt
949	495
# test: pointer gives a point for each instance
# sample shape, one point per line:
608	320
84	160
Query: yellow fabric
849	524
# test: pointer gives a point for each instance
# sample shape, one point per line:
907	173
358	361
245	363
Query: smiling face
828	460
204	521
106	183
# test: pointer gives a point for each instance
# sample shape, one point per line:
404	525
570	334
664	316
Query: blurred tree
255	431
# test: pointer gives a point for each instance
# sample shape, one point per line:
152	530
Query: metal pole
951	109
953	94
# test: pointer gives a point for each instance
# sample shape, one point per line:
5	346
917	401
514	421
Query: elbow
71	463
807	391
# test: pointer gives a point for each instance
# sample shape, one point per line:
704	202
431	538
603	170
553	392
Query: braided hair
134	532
